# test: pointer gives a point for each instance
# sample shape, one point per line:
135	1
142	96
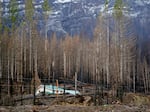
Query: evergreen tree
29	13
0	15
0	47
13	10
46	7
29	10
46	10
118	8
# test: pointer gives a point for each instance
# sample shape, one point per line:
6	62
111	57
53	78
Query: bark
30	47
64	64
108	55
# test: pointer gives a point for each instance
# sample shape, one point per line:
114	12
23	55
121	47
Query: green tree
46	7
46	10
123	63
0	15
0	38
29	13
13	19
106	3
29	10
13	10
108	44
118	8
0	46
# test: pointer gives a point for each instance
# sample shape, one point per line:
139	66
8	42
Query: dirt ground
76	108
131	103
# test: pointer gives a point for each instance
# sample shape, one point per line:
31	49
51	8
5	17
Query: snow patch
132	14
21	6
147	1
101	8
139	2
66	1
62	1
38	6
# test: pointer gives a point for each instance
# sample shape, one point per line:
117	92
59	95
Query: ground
131	103
77	108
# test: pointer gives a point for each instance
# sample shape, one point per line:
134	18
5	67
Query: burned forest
113	59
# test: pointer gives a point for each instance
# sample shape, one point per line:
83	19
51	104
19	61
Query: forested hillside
112	58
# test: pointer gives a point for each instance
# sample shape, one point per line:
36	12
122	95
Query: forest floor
131	103
77	108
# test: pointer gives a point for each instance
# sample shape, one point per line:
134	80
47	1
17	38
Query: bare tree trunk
46	41
21	59
128	76
134	85
69	65
0	67
108	55
64	64
12	63
144	79
146	75
35	62
0	61
8	64
24	57
75	82
30	47
121	63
